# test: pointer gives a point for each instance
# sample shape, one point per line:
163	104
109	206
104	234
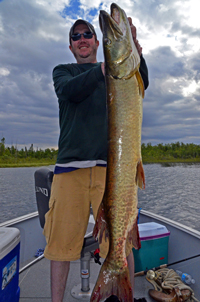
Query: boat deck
34	282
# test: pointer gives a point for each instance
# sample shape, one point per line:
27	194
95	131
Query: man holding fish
80	171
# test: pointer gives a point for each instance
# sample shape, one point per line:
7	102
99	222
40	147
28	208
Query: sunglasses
86	35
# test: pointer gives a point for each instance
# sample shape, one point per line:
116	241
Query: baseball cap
80	21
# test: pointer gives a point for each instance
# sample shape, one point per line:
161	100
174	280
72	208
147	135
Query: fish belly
124	155
124	104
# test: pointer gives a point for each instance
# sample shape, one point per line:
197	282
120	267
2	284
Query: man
79	176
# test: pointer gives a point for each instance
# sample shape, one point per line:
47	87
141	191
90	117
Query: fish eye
107	41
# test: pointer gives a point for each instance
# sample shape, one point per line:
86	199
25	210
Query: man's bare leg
131	266
59	274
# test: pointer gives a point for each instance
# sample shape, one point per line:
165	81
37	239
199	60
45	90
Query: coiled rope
167	279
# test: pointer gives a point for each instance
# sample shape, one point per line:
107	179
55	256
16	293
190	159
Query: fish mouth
111	21
118	43
115	12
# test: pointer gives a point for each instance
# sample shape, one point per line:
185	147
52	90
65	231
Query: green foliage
11	156
2	146
174	152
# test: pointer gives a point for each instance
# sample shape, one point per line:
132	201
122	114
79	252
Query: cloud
34	39
30	48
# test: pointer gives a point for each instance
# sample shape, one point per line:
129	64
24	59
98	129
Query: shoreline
26	164
167	162
173	161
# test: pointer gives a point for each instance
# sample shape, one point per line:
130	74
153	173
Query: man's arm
75	88
144	72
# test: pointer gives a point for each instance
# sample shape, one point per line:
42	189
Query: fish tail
111	282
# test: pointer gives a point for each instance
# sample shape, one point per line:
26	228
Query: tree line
12	155
174	152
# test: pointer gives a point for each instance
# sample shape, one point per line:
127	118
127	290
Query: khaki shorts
66	221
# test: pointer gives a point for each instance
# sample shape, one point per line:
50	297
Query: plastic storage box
154	246
9	264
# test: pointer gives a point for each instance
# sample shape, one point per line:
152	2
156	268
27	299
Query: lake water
173	192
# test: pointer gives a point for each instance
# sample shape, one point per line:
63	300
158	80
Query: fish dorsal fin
140	177
140	83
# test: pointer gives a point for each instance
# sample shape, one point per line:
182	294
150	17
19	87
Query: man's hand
134	35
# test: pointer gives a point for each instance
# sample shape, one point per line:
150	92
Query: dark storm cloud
169	115
34	39
185	29
29	51
163	61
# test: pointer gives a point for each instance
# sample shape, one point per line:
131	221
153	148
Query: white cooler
9	264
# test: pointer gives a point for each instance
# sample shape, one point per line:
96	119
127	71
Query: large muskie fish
118	212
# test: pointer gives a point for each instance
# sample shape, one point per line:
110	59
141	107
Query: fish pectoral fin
100	227
133	235
140	177
140	83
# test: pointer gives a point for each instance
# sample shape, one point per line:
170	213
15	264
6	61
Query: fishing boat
32	271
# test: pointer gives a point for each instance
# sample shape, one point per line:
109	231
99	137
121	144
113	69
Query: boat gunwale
173	223
168	221
19	219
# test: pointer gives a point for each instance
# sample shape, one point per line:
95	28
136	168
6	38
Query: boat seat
43	180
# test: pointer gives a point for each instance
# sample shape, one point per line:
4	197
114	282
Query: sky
34	39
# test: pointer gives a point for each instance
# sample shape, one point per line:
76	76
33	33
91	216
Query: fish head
120	52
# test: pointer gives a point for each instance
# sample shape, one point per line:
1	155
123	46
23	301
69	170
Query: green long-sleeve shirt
81	93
